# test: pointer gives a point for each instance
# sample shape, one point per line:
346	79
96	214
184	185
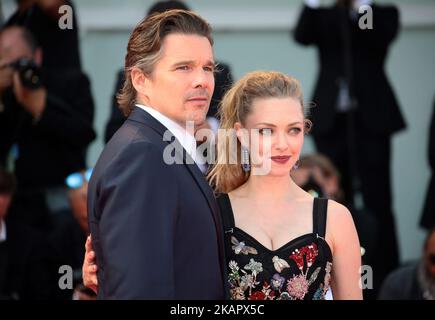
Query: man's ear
242	134
139	81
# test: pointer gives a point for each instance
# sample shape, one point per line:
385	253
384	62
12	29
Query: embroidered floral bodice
300	269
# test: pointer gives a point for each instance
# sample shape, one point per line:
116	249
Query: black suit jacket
155	227
378	109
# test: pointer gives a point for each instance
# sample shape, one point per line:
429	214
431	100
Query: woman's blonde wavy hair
235	107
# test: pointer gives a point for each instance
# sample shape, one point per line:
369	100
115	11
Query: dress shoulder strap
320	208
226	211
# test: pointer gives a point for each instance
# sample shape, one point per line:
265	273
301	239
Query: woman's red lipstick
280	159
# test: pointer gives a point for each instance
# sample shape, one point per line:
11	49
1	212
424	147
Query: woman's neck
269	188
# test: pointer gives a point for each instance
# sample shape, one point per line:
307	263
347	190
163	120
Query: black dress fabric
299	270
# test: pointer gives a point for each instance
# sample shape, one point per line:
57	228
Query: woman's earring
297	164
245	160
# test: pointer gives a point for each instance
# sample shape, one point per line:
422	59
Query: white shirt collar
185	138
2	230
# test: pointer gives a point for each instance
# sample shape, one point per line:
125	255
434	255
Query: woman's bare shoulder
337	210
340	224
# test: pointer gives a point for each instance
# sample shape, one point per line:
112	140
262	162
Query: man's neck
184	134
266	188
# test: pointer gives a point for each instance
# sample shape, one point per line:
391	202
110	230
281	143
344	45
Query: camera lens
29	73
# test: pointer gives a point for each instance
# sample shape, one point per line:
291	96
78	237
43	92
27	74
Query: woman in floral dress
281	243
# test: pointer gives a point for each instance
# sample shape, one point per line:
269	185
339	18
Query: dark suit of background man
357	111
155	226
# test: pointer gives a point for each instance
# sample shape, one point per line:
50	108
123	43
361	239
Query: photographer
42	17
45	126
357	112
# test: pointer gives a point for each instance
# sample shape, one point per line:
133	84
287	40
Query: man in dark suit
155	225
45	126
357	111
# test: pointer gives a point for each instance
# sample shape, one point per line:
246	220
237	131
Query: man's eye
209	69
183	68
265	131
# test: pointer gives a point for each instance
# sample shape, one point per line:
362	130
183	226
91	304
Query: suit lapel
145	118
208	193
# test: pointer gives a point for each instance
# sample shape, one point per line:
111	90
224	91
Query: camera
29	73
